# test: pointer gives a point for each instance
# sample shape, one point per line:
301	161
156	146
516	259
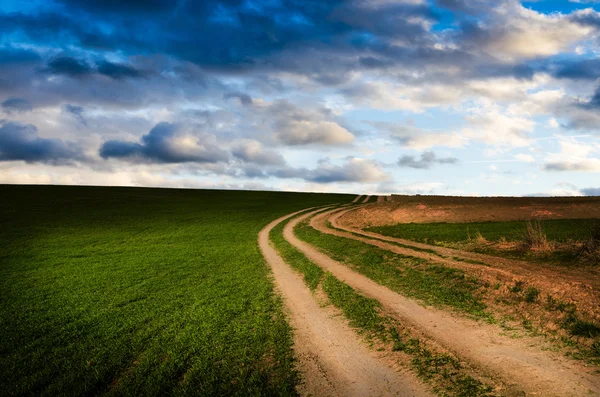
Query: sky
450	97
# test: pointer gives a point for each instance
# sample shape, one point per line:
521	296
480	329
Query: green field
561	230
564	237
125	291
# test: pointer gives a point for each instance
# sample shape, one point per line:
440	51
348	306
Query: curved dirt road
520	364
331	358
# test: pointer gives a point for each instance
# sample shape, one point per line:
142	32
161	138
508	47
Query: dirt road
331	358
518	362
366	200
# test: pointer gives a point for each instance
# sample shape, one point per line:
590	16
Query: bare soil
331	358
429	209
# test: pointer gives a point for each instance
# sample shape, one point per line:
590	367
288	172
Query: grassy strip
312	273
434	284
561	230
556	241
443	371
141	291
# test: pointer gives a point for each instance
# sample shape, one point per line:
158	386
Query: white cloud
526	158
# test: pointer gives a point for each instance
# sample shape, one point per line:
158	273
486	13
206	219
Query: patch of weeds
441	367
312	273
596	348
583	328
554	304
517	288
532	294
590	249
362	312
534	238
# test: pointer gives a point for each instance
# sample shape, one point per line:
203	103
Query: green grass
434	284
560	230
125	291
312	273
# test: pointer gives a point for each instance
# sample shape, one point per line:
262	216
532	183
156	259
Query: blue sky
460	97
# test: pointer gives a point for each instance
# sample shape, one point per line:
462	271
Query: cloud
294	126
573	156
165	143
526	158
17	105
21	142
591	191
515	32
118	71
592	165
427	160
353	170
76	112
493	125
65	65
244	99
253	152
410	136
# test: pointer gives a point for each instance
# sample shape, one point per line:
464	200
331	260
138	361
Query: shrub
534	238
590	249
532	294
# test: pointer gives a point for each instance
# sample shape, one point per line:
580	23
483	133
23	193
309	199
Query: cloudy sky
367	96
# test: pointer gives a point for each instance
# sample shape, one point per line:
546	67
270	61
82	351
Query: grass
126	291
431	283
445	372
560	230
553	240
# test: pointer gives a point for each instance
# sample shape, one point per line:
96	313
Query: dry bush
533	238
590	249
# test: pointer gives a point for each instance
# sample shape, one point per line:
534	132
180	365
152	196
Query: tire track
366	200
516	361
331	358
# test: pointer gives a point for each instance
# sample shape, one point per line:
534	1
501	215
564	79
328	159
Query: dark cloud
120	6
14	104
76	112
591	191
586	69
117	70
16	56
21	142
165	144
245	99
427	160
65	65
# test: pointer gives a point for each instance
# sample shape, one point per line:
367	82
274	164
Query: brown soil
520	363
429	209
331	358
380	199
